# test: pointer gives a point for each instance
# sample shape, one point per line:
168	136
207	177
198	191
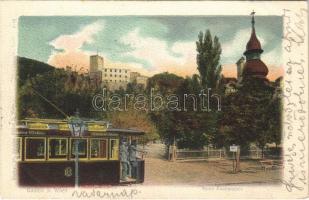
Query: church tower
254	66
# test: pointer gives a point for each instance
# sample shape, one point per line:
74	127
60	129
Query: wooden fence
199	154
183	154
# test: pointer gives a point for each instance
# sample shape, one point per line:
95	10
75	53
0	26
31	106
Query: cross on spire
252	21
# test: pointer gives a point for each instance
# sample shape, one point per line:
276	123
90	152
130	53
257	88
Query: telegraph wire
48	101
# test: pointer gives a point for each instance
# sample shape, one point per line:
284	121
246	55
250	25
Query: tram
47	150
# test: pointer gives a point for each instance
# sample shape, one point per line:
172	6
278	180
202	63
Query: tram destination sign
97	128
38	126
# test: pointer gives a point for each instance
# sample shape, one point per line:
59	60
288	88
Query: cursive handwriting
295	113
94	193
294	29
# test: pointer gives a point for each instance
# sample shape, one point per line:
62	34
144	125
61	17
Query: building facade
140	79
113	78
96	63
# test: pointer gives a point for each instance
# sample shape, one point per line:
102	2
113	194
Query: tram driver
124	155
133	159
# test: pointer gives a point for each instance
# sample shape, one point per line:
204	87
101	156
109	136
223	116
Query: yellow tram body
46	153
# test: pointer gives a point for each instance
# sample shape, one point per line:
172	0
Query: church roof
255	67
253	43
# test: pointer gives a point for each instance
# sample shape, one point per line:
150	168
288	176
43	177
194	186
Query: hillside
28	68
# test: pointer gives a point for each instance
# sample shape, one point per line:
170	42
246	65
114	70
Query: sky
147	44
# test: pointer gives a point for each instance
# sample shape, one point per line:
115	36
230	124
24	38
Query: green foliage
70	91
165	83
251	115
208	58
190	128
66	90
28	68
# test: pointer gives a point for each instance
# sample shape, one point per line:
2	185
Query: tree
208	58
136	120
190	128
164	120
250	115
67	90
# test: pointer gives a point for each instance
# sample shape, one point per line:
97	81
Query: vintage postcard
154	100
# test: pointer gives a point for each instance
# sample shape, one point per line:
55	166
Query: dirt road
159	171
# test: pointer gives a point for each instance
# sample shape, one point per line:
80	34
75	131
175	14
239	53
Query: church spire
253	44
252	20
254	66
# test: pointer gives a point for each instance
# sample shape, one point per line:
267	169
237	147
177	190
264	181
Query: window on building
115	75
115	70
125	76
115	81
57	148
110	80
113	149
119	70
120	76
111	75
81	147
35	148
110	70
105	70
98	148
105	75
125	71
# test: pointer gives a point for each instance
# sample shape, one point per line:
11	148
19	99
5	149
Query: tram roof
41	120
126	131
24	124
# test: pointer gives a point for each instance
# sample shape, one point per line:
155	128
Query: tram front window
57	148
98	148
35	148
82	148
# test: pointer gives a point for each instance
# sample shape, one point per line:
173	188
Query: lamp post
77	128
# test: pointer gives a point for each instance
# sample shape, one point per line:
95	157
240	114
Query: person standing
124	160
133	159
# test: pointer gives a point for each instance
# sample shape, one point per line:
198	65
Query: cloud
68	47
178	59
275	72
235	48
230	70
160	56
273	57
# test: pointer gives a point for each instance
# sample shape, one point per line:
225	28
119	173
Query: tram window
57	148
35	148
114	149
18	150
82	148
98	148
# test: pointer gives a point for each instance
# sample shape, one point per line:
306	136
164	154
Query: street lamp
77	128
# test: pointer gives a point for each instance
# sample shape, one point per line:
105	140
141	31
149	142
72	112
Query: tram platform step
128	181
